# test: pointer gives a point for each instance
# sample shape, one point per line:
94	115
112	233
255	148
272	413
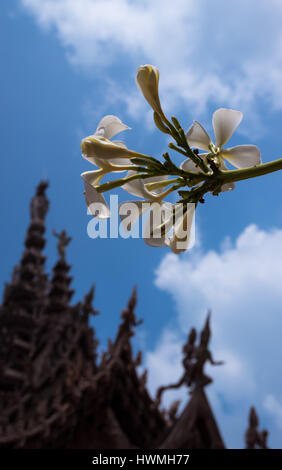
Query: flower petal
97	161
119	161
137	187
120	143
155	179
198	137
158	215
182	231
189	165
242	156
226	186
130	211
225	122
112	164
98	147
110	126
116	162
92	177
95	201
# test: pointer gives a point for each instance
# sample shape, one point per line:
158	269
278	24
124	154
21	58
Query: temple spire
29	282
87	310
60	292
196	427
128	319
254	438
121	348
195	358
24	300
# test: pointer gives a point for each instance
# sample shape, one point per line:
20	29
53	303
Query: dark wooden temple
55	393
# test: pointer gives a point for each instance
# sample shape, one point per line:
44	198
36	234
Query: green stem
120	182
161	184
170	190
215	181
246	173
178	134
128	167
177	149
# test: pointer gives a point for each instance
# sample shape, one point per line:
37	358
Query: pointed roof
28	277
87	311
196	428
126	328
24	300
137	414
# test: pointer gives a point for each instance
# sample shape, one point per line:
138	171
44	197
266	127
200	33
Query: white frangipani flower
160	212
138	187
225	122
95	201
103	152
107	128
181	223
151	201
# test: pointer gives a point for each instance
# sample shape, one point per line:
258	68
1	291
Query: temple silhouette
54	390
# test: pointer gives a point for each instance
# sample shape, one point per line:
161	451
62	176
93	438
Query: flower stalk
247	173
147	176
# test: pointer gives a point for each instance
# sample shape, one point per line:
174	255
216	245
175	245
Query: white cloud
274	407
225	53
242	285
165	364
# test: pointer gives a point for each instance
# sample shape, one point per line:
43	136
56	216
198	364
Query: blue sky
65	64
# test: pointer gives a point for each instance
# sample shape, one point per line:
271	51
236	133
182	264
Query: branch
246	173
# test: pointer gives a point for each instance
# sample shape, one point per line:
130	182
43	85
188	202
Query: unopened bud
176	123
147	79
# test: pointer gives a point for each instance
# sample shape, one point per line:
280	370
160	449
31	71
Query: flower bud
98	147
147	79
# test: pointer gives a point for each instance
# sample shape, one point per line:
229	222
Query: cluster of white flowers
148	181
